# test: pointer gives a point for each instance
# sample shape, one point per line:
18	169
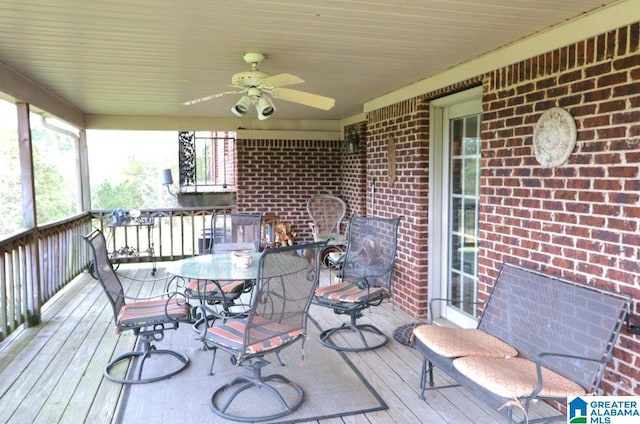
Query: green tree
55	180
11	219
124	195
54	199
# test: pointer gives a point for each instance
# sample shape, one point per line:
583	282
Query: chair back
287	278
371	250
104	272
327	213
235	231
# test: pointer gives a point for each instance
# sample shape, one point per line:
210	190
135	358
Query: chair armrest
540	357
168	294
185	302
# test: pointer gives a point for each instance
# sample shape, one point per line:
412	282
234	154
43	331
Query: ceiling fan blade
211	97
304	98
281	80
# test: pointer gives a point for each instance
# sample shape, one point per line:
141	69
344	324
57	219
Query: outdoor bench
539	337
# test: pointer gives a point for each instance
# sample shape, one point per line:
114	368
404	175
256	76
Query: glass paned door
463	198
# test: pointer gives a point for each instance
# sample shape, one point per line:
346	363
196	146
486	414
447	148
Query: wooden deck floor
52	373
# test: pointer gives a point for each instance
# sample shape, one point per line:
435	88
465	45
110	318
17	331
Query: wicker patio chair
326	213
148	318
277	319
366	274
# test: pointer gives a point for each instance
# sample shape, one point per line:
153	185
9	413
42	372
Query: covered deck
52	372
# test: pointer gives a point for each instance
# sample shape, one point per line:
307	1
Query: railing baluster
176	233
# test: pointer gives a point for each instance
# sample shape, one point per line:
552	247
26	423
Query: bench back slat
537	313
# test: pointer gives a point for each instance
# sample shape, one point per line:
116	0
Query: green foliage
55	180
139	188
124	195
54	200
131	180
10	188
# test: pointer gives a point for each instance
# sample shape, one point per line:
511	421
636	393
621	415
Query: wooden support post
32	268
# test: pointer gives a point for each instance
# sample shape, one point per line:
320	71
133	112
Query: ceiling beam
22	89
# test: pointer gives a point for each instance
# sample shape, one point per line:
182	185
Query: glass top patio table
219	266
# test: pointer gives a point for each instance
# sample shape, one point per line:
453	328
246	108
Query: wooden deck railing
36	264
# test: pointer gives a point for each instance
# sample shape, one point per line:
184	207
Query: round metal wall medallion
554	137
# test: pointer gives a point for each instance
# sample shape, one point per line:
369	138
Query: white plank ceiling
146	57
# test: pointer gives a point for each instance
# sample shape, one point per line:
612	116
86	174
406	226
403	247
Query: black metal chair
277	319
148	318
366	272
233	231
229	232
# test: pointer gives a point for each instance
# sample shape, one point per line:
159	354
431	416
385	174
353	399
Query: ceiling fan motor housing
248	78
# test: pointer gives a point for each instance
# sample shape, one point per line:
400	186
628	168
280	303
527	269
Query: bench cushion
514	377
456	342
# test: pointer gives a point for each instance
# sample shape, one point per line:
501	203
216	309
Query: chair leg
427	373
222	400
137	359
378	340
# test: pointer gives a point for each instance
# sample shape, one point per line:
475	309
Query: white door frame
439	111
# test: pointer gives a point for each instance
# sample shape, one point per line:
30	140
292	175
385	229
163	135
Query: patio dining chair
148	318
277	318
229	232
366	272
326	213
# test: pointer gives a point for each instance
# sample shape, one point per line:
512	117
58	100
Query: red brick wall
278	177
580	220
353	189
403	128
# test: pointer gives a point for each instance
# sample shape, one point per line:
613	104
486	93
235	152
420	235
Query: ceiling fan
260	87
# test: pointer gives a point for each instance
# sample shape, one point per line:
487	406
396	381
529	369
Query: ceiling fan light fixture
260	87
265	108
242	106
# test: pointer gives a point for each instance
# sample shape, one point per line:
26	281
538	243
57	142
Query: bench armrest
540	357
448	301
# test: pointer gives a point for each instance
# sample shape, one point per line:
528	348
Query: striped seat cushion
515	377
209	288
270	334
350	292
456	342
144	313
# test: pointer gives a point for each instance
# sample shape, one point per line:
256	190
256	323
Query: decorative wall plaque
391	160
554	137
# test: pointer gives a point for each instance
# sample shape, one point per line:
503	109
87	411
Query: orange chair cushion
456	342
515	377
350	292
271	335
208	288
144	313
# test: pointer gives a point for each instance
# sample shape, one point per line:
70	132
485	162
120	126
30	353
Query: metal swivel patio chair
234	231
277	319
148	318
229	232
327	212
366	281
